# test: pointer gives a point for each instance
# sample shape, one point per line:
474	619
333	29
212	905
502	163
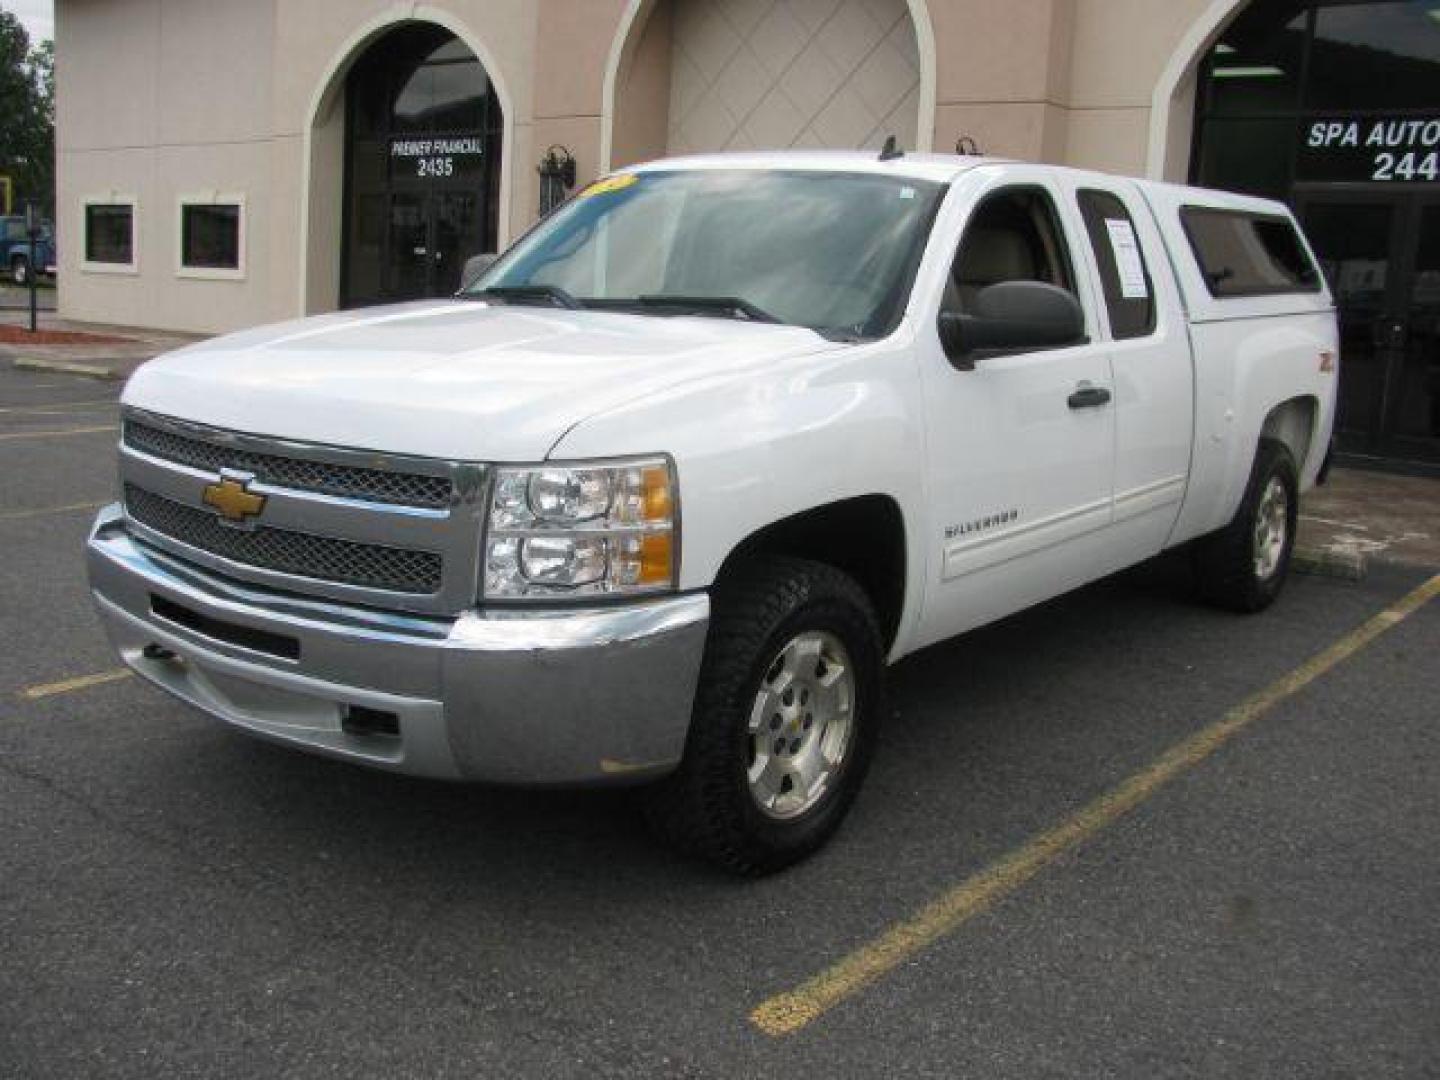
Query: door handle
1089	397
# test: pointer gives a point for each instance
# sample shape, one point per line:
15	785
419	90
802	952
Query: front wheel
1243	566
785	718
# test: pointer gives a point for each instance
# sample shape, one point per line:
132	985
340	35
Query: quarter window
110	234
1129	295
1244	254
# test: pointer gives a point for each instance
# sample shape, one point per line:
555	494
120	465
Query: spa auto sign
435	158
1370	149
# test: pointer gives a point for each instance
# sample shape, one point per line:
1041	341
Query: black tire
1226	561
706	807
20	270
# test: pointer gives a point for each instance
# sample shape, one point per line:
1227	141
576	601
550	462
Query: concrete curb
1329	562
69	367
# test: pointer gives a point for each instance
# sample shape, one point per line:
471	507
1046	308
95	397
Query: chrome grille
298	474
283	551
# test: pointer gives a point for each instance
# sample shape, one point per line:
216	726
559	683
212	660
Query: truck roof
940	168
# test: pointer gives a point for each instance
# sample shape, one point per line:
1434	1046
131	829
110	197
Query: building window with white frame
212	236
109	236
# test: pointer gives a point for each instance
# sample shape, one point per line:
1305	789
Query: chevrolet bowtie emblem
233	499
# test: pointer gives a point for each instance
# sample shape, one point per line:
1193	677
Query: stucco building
227	162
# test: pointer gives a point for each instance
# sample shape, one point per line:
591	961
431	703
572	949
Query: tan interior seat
987	256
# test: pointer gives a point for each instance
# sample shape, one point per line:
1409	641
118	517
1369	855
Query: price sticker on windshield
619	182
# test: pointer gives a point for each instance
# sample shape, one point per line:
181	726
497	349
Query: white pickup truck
659	496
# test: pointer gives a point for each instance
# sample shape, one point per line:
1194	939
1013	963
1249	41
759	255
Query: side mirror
1011	317
474	267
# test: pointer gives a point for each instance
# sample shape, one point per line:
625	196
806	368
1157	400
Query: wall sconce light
557	177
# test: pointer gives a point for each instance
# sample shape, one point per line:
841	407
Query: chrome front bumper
559	696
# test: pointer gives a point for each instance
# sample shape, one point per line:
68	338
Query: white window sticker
1128	263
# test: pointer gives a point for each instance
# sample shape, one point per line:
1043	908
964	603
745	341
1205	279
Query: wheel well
864	537
1293	423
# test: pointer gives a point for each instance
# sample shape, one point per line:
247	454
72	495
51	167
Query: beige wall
162	98
774	74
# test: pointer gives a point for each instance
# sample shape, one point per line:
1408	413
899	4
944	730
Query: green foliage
27	113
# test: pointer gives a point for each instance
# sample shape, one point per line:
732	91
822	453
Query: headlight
581	530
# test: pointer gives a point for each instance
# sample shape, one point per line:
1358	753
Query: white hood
451	379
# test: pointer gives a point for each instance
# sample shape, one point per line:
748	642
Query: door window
1129	295
1013	236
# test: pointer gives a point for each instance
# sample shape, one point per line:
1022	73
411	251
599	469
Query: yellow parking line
80	682
16	515
11	436
791	1011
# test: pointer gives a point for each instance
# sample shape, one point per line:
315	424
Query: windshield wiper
733	306
521	294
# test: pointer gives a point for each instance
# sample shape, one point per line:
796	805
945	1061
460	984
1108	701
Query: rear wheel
785	718
1243	567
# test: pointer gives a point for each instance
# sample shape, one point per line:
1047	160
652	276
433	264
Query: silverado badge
233	499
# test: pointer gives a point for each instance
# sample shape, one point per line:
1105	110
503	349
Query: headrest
989	255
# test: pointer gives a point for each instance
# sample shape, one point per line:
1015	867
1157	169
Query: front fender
751	451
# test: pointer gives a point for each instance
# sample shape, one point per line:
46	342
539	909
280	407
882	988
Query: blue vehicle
15	249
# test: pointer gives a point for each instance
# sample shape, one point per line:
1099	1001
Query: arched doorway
1334	107
422	156
693	76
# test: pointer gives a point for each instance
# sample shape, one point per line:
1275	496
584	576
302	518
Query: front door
1020	449
1381	252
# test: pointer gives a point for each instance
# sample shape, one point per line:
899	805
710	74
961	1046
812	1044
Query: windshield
834	252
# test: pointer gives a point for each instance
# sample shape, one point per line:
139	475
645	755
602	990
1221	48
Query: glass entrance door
1381	253
454	227
409	248
422	159
1415	420
429	239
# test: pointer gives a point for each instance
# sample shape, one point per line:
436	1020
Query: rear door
1142	325
1020	450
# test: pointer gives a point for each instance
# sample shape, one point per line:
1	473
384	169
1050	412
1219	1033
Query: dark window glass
1287	69
1111	230
1417	405
210	237
1248	156
1255	68
110	233
1376	56
1244	254
1013	236
1352	241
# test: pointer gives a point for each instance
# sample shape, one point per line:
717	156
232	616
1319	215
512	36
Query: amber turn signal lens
658	506
656	567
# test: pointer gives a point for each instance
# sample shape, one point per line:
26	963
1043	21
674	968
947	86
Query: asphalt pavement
177	899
